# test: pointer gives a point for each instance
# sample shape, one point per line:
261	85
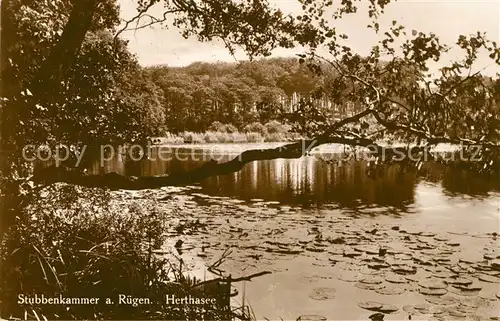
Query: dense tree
237	93
92	100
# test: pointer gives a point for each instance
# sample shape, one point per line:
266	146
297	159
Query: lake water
319	226
310	180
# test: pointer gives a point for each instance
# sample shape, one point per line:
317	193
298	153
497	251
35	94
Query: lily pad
323	293
404	269
388	308
350	276
457	314
403	257
442	301
315	248
293	250
493	273
489	295
352	253
475	286
491	256
443	274
378	265
311	317
424	261
464	292
437	292
469	260
395	278
367	249
469	303
410	309
372	280
489	278
423	308
391	290
495	265
442	259
414	278
347	266
483	267
365	286
458	281
337	259
433	284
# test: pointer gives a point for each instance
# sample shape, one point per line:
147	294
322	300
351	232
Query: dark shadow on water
311	182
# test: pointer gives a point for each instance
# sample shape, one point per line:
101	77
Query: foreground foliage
74	242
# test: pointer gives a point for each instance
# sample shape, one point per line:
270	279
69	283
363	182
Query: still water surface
312	182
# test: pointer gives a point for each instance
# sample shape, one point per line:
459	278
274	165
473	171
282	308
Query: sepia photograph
250	160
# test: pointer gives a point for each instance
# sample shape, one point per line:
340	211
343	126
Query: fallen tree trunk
296	150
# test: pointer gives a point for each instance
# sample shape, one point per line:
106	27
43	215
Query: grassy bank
222	138
76	243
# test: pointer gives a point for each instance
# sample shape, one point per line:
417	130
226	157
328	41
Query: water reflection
311	182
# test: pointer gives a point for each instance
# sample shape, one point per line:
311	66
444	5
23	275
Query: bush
236	137
274	127
211	137
217	126
239	138
82	252
256	127
230	129
192	138
254	138
275	137
172	139
292	136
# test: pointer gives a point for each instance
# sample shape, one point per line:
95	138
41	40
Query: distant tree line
200	94
192	98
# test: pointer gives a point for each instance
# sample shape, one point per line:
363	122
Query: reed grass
211	137
74	242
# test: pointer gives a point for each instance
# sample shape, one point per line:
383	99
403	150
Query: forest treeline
192	98
200	96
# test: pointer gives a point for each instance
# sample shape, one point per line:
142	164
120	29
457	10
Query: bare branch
135	18
243	278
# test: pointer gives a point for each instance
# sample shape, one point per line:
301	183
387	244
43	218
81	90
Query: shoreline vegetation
104	251
256	132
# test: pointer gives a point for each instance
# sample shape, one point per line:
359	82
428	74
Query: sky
446	18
